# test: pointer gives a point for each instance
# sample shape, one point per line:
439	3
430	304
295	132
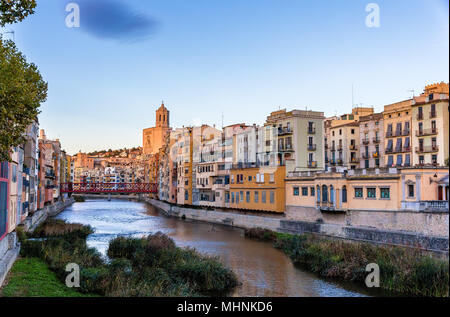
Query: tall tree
22	90
12	11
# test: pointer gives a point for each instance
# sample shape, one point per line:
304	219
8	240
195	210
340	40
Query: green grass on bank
31	277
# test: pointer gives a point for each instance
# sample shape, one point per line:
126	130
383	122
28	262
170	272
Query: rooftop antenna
411	91
222	120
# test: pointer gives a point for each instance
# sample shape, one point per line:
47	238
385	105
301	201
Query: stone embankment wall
10	246
356	231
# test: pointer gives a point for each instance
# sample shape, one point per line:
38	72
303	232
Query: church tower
162	117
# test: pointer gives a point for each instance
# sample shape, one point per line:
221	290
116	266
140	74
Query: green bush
79	199
403	271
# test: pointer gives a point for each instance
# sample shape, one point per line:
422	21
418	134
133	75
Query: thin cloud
116	20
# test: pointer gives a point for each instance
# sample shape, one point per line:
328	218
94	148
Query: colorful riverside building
389	198
430	121
4	199
371	142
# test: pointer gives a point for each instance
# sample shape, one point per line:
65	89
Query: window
227	197
434	159
371	192
312	190
304	191
241	196
232	197
353	131
256	196
272	197
3	202
410	191
385	193
263	196
247	197
344	194
272	178
358	192
421	160
296	191
262	178
324	193
186	195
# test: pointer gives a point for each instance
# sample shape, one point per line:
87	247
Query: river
262	269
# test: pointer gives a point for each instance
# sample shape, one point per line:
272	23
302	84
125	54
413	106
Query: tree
12	11
22	90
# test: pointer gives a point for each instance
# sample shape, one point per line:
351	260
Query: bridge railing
108	188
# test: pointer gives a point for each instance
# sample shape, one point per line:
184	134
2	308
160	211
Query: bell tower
162	117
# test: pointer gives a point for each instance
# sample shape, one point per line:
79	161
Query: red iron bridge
109	188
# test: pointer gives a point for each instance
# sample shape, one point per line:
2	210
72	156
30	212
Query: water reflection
263	270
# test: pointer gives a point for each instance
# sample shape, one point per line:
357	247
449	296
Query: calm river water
262	269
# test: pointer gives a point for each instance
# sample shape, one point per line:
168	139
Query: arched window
318	193
331	194
324	193
344	194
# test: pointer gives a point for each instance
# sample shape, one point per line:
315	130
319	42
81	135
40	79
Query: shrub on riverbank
402	270
79	199
181	270
151	266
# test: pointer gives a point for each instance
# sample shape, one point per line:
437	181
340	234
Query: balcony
433	114
311	130
376	154
353	147
427	149
376	140
339	148
406	149
354	160
312	164
284	131
287	148
333	148
426	132
389	150
419	116
365	156
389	134
366	141
430	205
406	132
340	161
333	162
312	147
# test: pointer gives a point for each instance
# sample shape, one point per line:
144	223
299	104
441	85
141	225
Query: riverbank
403	271
142	267
437	246
10	246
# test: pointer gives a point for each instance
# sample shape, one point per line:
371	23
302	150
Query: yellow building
430	121
257	188
397	134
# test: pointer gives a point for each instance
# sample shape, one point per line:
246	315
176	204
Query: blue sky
242	58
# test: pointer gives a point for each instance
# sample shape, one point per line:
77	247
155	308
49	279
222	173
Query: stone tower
162	117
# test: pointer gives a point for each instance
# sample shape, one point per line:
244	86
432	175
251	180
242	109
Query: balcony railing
406	132
312	164
311	130
354	160
376	154
282	131
427	149
376	140
339	148
340	161
353	147
389	150
365	141
333	148
432	114
425	132
312	147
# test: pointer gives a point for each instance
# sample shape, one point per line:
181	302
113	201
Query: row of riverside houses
387	171
27	184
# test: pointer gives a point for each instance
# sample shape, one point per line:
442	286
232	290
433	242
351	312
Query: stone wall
356	226
429	223
31	222
9	251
